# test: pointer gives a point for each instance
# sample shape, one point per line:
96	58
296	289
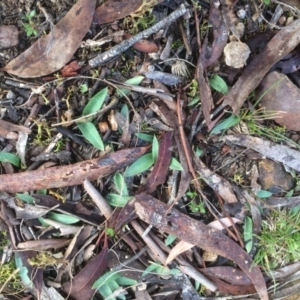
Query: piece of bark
62	176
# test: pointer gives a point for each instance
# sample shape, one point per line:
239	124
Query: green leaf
106	292
218	83
125	111
95	102
248	234
229	122
175	164
84	88
120	184
11	158
125	281
194	101
132	81
149	269
263	194
43	222
289	194
117	200
62	218
105	278
144	136
155	148
26	198
141	165
174	271
170	239
91	133
199	152
23	272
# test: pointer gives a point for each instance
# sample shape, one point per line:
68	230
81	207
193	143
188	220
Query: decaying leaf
8	36
71	174
53	51
80	288
280	153
161	166
180	247
279	46
171	221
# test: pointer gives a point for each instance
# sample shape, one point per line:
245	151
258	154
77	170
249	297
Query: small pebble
241	14
10	95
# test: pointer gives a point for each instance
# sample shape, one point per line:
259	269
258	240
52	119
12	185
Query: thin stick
123	46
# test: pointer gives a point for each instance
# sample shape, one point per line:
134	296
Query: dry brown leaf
181	247
53	51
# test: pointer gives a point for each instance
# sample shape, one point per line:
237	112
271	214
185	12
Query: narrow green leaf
175	164
43	222
263	194
132	81
95	102
62	218
194	101
174	271
144	136
23	272
289	194
141	165
149	269
170	239
83	88
125	111
120	184
229	122
106	292
199	152
248	234
218	83
105	278
11	158
91	133
25	197
155	148
125	281
117	200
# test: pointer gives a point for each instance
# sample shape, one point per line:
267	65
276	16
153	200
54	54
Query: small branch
123	46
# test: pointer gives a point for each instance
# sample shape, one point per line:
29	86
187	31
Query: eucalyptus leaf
125	111
194	101
91	133
95	102
140	165
10	158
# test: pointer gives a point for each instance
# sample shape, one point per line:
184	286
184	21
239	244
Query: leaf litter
129	156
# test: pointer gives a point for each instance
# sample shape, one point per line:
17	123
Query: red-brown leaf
53	51
161	167
159	215
80	288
